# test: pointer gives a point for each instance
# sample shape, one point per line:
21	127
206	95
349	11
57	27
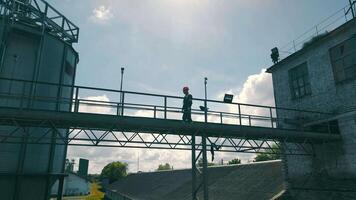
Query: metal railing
330	23
81	99
40	13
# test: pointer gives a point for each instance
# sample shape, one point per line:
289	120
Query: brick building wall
333	167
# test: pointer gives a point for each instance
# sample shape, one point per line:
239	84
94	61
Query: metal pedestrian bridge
113	118
41	113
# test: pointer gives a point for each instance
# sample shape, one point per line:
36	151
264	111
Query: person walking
187	105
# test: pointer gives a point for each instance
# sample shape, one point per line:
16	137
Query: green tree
166	166
269	154
234	161
200	163
114	171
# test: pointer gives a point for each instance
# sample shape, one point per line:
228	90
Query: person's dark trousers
187	116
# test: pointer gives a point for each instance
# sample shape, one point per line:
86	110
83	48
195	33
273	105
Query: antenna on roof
352	5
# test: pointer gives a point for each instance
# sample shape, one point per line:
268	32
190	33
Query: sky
167	44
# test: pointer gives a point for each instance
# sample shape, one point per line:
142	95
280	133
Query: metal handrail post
76	100
165	107
122	103
118	112
271	115
240	120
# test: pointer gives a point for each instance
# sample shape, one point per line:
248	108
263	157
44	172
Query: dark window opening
343	60
326	127
299	81
69	69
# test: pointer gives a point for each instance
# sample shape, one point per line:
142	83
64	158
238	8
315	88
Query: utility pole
205	100
202	182
205	160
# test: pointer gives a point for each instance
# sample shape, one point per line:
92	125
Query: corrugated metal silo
36	46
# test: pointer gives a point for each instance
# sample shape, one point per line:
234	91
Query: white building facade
74	185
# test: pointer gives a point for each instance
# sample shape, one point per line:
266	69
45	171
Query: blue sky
167	44
181	41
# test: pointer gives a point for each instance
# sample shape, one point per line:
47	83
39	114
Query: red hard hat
185	88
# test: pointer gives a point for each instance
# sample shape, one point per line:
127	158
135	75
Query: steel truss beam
15	132
17	129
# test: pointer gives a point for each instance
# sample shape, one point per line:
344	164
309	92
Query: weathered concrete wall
334	165
326	95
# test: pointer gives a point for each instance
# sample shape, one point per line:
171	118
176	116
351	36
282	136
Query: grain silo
36	46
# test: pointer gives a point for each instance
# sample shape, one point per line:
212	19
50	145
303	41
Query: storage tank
36	46
83	167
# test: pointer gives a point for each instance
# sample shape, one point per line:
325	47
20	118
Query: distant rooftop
258	181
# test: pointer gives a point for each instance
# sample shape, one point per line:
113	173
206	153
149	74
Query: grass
95	194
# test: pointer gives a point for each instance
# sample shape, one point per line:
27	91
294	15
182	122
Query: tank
83	167
36	46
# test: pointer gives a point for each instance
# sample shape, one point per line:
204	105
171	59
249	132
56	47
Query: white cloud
137	159
102	14
179	21
143	113
257	89
96	104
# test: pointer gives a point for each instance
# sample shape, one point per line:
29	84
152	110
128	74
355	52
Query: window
69	69
343	60
299	81
326	127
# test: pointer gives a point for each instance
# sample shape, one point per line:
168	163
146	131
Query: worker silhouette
213	147
187	105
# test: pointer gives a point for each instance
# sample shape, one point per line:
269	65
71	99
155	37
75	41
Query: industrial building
36	46
40	107
73	185
321	76
254	181
76	183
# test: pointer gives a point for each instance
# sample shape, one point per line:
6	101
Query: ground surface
95	194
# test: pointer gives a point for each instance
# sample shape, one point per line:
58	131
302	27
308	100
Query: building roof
327	36
252	181
78	175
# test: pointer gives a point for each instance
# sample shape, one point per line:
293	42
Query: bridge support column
199	169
